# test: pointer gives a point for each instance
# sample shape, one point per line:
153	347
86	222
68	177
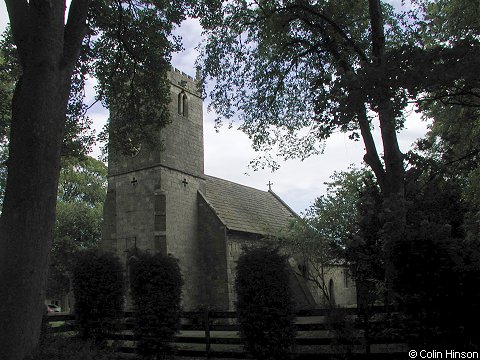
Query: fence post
206	321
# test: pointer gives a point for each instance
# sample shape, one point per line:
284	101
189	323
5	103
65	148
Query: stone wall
344	289
212	236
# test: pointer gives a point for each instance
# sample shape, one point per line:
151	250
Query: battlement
184	81
174	69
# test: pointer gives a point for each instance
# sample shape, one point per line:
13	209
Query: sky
229	152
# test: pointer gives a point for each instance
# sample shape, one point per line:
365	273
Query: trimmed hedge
98	286
56	347
264	303
156	284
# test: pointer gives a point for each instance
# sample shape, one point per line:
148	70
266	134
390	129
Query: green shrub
345	335
67	348
264	303
156	284
429	287
98	286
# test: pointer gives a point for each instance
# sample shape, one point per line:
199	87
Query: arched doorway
331	292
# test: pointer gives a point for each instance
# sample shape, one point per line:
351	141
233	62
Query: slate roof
246	209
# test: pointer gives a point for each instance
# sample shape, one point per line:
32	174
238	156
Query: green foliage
450	20
452	149
81	194
264	303
436	266
341	225
364	250
273	68
82	180
283	66
345	333
440	263
7	82
79	137
68	348
334	215
428	286
132	80
156	284
98	285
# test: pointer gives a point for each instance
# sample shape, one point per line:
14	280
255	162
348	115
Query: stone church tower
161	200
152	197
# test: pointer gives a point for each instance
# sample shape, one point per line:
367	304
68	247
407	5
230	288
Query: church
162	201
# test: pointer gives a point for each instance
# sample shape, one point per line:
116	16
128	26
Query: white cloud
228	153
3	16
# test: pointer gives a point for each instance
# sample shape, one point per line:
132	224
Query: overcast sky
228	152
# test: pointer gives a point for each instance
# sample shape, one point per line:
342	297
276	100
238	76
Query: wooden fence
214	334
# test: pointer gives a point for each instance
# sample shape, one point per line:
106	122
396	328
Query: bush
429	287
156	284
345	334
98	286
67	348
264	303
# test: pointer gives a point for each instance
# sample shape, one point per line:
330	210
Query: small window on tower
183	103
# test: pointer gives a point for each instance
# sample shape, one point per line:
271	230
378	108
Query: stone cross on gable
270	185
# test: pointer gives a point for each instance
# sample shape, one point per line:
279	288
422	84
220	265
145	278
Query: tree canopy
296	71
81	194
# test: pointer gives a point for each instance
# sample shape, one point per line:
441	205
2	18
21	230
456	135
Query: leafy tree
98	285
430	272
320	237
81	194
443	194
156	284
127	46
6	92
440	262
364	251
342	227
287	66
264	303
82	180
452	145
78	135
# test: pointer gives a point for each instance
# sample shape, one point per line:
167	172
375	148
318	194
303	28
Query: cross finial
270	185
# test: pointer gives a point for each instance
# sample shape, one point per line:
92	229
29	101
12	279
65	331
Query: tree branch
371	155
19	13
378	35
75	31
296	9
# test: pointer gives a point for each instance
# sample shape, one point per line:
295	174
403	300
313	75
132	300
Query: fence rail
215	334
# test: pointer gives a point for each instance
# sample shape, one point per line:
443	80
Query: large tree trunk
394	207
47	51
28	216
393	184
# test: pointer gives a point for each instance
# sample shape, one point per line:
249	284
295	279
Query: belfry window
183	103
